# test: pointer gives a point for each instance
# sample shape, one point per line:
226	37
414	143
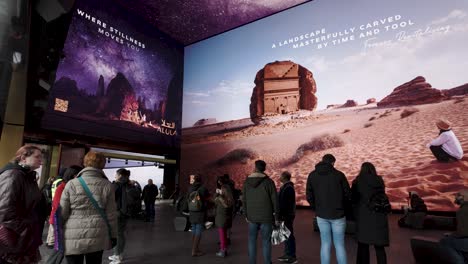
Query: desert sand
395	145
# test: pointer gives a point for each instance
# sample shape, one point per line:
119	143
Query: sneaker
115	262
283	258
115	258
291	260
221	253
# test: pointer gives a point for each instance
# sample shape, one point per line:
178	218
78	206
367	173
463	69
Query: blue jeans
266	230
197	229
455	247
149	208
329	228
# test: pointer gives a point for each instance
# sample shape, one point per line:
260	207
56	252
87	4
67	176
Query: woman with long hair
224	203
372	226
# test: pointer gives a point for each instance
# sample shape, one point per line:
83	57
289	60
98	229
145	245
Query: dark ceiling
189	21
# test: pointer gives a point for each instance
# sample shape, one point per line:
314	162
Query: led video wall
120	79
318	79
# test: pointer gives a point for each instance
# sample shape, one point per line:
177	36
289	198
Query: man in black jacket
328	193
261	210
149	194
457	242
287	207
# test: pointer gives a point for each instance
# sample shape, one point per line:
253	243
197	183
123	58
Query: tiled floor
158	242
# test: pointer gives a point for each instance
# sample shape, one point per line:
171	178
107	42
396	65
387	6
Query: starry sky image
190	21
90	53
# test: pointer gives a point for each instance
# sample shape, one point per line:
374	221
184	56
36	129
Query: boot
195	243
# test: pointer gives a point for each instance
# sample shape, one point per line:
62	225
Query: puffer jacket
19	213
85	231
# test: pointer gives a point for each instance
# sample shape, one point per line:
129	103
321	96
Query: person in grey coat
372	227
85	231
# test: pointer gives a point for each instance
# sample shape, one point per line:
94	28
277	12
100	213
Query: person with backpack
328	194
124	198
197	198
55	219
371	209
149	194
224	203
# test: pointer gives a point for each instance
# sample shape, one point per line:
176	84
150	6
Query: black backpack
379	203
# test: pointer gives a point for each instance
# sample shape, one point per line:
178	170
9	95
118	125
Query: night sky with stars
189	21
90	53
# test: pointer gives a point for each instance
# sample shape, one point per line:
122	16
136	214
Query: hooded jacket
328	191
260	199
85	230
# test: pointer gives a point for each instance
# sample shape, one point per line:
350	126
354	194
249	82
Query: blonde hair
95	160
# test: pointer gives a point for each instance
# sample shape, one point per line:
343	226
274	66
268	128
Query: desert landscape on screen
393	138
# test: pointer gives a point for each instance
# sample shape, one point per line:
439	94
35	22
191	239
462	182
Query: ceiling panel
189	21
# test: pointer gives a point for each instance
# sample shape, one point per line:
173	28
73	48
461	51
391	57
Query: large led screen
120	79
363	80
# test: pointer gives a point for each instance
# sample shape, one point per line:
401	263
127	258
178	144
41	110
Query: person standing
123	192
287	213
457	242
20	199
197	203
150	192
89	228
261	210
328	193
446	147
224	203
372	227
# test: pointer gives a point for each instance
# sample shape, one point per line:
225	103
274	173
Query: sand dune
395	145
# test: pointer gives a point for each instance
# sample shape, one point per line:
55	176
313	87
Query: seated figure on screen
446	147
457	243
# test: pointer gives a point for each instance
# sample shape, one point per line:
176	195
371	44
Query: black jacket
149	193
372	227
328	191
260	199
200	216
287	201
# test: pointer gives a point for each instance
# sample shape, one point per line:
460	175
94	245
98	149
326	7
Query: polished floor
158	242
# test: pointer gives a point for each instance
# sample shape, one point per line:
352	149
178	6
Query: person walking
260	202
372	226
149	194
287	213
89	213
328	193
20	197
123	199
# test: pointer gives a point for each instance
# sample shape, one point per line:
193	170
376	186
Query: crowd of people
88	213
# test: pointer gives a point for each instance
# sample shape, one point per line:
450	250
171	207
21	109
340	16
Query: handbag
98	208
280	234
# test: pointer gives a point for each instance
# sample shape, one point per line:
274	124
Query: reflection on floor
158	242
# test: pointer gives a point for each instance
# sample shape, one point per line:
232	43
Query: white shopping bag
280	234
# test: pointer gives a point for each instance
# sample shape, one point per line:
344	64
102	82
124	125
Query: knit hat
443	124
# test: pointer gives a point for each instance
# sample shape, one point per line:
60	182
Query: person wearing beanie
446	147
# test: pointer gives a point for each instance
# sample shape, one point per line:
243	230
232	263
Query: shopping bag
280	234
